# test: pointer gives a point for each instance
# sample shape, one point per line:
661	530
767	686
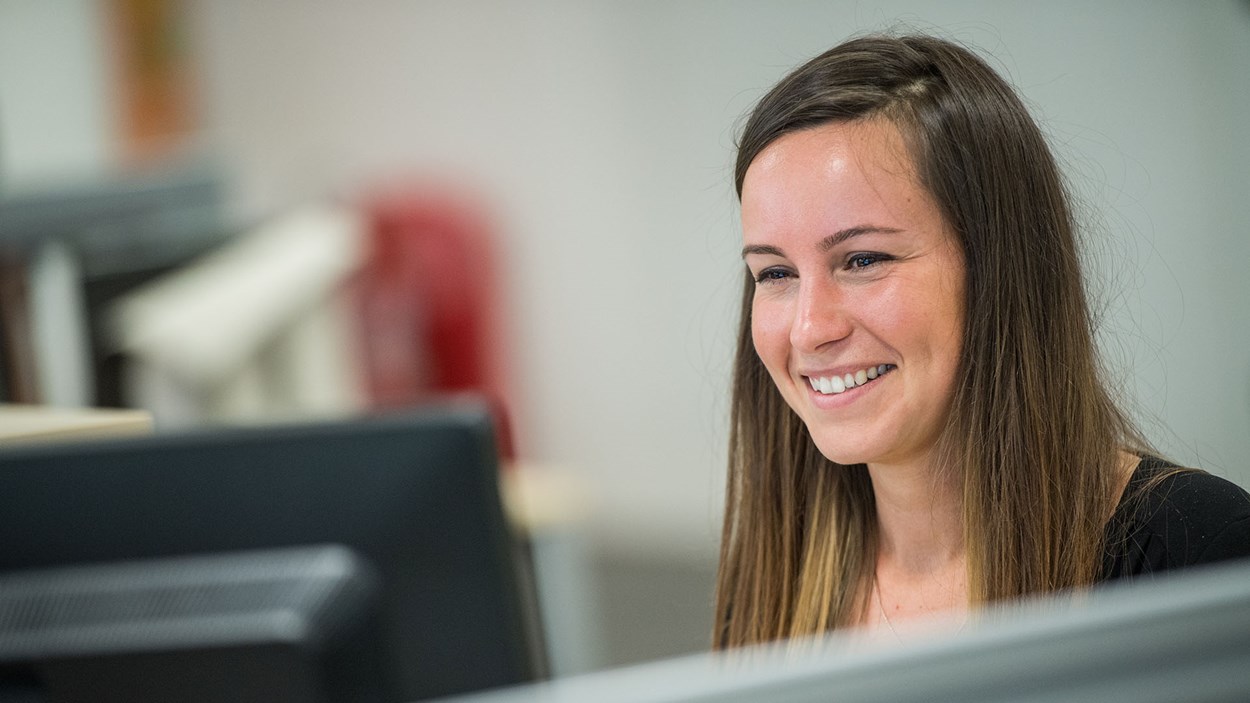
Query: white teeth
840	384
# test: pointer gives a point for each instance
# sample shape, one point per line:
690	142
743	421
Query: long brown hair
1032	435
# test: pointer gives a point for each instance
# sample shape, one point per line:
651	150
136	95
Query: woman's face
858	307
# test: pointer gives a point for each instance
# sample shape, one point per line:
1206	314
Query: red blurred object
428	296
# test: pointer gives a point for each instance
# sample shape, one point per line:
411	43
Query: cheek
770	333
922	313
948	313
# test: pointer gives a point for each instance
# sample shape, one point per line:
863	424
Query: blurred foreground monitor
1182	637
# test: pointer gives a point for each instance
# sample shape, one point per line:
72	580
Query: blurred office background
586	150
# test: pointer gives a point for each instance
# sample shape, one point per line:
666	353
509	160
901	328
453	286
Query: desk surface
36	423
536	498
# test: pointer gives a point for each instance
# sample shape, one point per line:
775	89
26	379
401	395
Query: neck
920	519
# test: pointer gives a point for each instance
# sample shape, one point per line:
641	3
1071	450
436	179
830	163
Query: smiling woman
919	423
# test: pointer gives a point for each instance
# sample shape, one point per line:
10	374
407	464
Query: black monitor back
415	495
290	625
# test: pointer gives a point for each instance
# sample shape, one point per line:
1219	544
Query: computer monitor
291	625
414	496
1181	637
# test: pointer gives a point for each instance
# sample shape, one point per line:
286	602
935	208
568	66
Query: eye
865	260
772	275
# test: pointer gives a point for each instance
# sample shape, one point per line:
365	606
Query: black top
1188	517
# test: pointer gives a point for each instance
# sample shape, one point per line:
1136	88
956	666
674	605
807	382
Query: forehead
835	176
838	144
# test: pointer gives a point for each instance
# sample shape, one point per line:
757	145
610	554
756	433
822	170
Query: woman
919	422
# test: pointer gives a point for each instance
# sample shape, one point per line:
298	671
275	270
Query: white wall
56	117
601	133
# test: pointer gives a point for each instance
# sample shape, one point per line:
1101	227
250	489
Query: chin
839	452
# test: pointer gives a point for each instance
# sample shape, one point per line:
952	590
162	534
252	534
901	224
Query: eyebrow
826	244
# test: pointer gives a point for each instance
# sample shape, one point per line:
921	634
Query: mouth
833	385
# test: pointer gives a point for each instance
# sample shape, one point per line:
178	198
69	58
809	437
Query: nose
821	315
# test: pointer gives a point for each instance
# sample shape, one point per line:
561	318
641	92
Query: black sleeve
1189	518
1193	518
1229	543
